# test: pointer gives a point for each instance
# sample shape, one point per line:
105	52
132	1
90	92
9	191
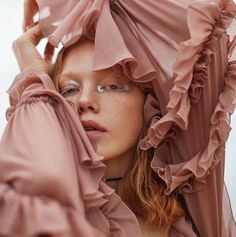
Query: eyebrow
70	74
117	75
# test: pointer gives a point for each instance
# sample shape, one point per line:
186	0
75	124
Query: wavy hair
143	192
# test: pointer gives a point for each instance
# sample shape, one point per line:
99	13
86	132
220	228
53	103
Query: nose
88	101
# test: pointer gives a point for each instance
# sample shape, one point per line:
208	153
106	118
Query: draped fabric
179	50
50	176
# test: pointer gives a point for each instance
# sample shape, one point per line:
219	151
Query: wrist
35	67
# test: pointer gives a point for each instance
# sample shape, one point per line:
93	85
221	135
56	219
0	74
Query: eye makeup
113	87
71	88
113	84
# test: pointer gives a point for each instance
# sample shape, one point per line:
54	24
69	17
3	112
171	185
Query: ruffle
30	87
190	69
152	114
99	18
189	72
24	215
30	211
200	74
190	176
96	20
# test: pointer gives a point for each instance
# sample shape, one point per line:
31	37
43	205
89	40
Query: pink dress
50	177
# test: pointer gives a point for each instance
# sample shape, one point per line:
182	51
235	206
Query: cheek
125	116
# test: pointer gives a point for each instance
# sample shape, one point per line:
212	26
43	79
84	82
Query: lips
91	125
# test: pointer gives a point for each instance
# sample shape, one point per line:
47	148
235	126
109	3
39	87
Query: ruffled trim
95	20
200	74
190	176
152	114
25	90
190	69
44	215
35	213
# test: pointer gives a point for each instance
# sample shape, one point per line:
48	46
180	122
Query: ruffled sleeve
50	175
190	137
179	50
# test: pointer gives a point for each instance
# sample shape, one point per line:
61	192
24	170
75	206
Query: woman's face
104	97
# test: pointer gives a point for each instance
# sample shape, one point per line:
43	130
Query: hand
30	10
26	53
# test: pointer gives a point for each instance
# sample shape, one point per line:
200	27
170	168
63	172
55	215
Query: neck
116	168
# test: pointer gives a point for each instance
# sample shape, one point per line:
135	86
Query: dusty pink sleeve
195	97
179	49
50	175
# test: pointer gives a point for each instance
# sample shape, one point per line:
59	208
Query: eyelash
69	92
118	87
72	90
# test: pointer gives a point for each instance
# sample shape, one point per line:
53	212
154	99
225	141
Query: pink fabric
179	50
50	175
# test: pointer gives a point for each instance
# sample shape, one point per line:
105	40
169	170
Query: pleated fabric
179	51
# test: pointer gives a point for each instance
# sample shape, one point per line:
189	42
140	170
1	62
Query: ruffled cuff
24	215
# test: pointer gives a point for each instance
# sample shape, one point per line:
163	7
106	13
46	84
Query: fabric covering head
180	57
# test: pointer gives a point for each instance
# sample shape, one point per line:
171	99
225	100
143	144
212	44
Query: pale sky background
10	28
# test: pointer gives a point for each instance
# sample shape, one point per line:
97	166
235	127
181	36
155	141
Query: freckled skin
121	113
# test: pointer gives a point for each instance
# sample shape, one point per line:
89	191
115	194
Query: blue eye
69	92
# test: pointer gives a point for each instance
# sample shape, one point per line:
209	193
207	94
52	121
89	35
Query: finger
34	35
28	26
30	9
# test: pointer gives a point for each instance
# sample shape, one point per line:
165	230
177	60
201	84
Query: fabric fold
190	175
190	67
56	176
181	57
186	64
22	215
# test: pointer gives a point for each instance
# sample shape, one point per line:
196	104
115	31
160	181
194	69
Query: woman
205	165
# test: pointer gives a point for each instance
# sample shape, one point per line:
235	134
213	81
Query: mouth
93	129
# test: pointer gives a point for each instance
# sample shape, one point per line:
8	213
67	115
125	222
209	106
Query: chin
105	156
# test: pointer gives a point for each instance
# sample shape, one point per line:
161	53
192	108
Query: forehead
78	60
80	53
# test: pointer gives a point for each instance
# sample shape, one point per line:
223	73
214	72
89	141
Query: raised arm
50	175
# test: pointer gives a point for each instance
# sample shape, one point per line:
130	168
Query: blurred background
11	15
